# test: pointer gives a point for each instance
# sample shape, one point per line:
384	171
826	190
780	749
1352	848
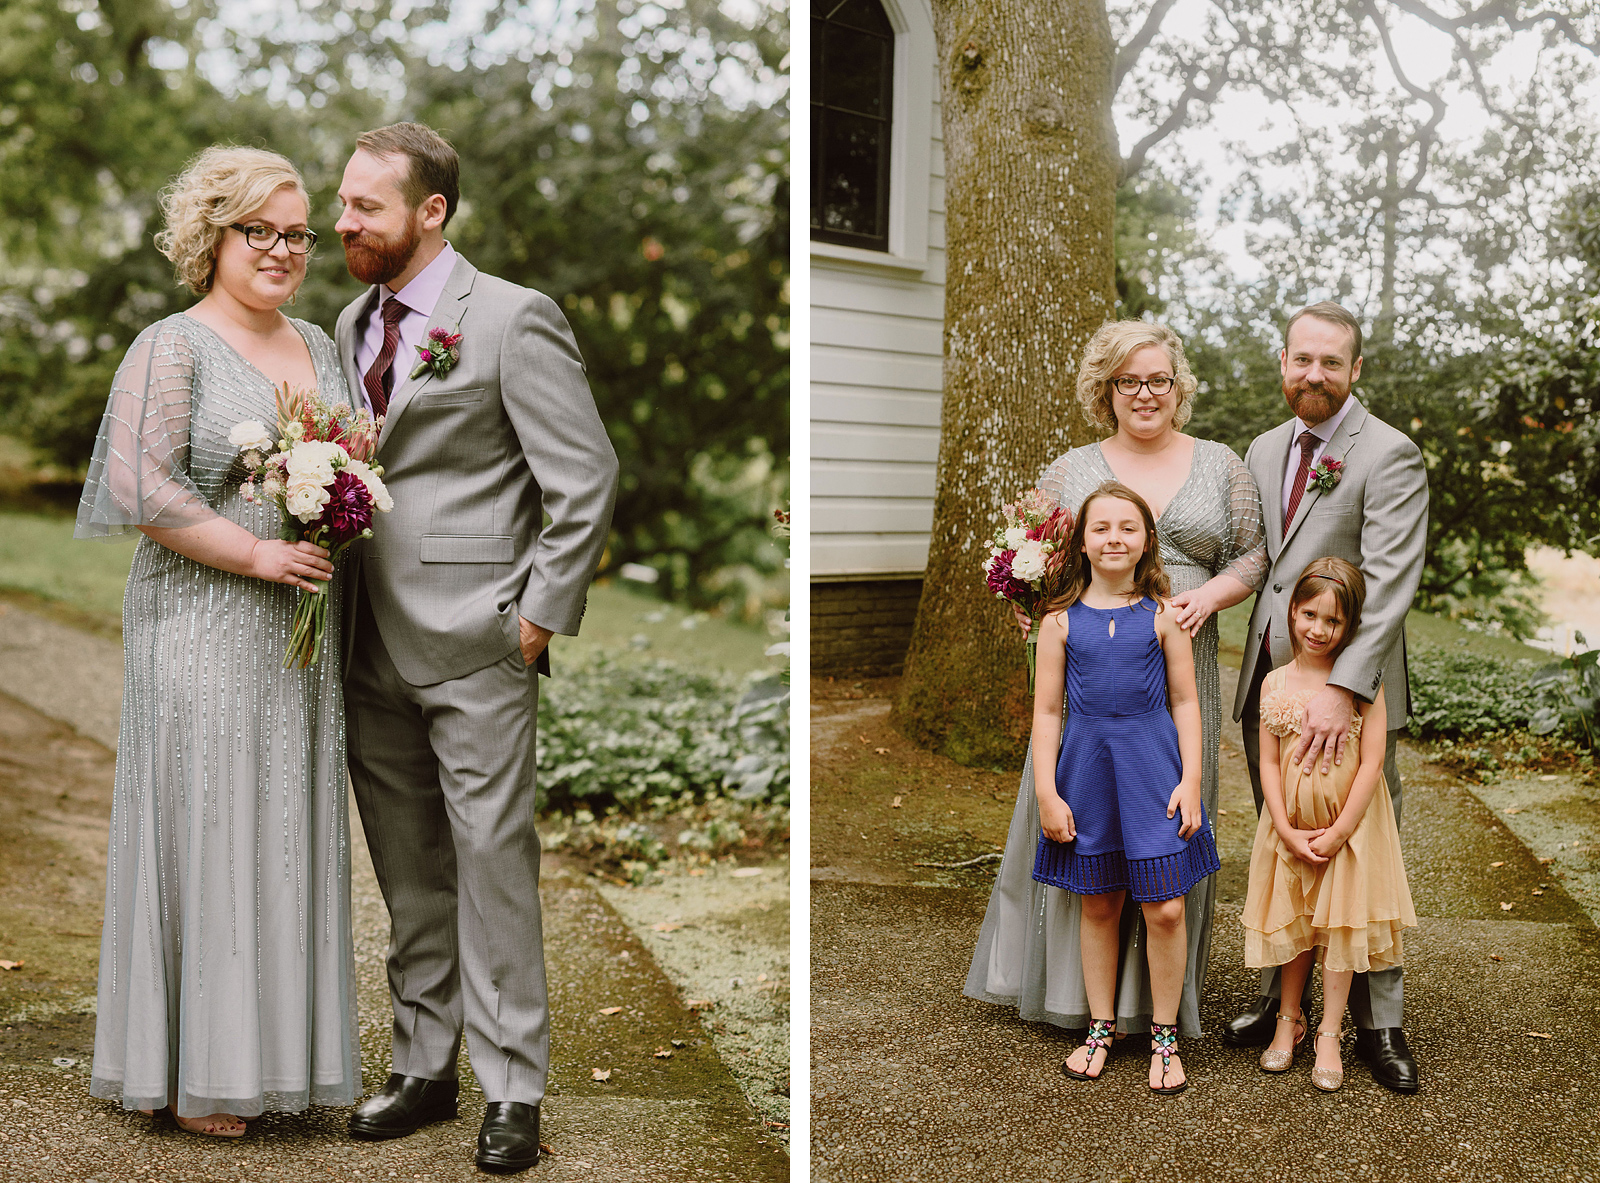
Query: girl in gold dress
1326	877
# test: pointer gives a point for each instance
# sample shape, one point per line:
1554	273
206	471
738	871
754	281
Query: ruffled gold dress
1353	906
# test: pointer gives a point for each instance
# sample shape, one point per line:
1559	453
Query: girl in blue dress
1122	814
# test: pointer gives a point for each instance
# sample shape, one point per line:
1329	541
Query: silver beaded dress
226	963
1028	953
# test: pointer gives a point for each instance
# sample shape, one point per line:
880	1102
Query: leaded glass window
852	72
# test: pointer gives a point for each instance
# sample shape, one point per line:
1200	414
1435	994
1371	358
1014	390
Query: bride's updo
220	186
1109	348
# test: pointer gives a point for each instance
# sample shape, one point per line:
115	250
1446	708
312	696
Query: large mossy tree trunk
1031	171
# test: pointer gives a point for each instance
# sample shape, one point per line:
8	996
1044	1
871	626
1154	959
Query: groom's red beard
377	260
1315	402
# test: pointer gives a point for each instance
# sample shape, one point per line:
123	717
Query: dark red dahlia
349	508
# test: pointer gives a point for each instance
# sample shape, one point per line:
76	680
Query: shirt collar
1323	431
425	288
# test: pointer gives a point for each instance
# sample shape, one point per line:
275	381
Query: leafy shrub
1457	692
617	736
1568	691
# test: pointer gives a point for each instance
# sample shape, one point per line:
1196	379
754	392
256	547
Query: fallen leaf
663	1053
544	1147
12	964
1499	864
611	1010
881	751
745	872
600	1074
666	926
1496	957
680	1043
863	739
1537	891
1538	1035
697	870
1504	907
700	1004
761	977
1222	812
1549	778
1549	860
1512	809
895	804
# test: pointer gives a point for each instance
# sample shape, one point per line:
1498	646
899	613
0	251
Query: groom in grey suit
1375	517
452	604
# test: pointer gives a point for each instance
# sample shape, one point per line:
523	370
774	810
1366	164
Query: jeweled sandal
1098	1040
1164	1043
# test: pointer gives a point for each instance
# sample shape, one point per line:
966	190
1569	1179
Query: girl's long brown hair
1149	577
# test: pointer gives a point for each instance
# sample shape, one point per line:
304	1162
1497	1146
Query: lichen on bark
1031	170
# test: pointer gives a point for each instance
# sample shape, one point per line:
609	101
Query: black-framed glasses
1129	385
264	238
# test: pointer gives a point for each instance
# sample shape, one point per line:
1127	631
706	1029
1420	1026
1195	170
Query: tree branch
1128	55
1175	119
1428	133
1496	12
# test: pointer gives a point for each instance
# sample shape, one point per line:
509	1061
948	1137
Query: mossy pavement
911	1080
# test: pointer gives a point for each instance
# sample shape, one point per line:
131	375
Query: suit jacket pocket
467	548
445	398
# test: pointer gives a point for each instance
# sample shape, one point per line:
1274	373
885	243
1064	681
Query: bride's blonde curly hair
218	187
1111	346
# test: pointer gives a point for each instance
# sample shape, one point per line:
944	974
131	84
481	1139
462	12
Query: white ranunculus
315	458
1015	537
988	565
1029	563
250	436
305	498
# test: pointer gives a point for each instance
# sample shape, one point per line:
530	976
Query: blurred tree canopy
629	159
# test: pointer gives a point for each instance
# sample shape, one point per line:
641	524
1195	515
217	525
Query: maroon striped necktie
379	380
1308	441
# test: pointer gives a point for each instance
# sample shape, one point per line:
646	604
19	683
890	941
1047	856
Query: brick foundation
862	627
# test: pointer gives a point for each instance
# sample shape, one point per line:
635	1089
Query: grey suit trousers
444	780
1377	1000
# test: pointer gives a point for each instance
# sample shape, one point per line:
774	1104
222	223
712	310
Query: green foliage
1568	691
619	736
1455	692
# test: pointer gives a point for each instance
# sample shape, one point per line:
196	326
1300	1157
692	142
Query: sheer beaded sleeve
1245	549
1053	482
139	474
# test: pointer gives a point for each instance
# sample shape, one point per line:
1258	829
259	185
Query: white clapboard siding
877	345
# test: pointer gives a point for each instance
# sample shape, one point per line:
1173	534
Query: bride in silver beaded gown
1210	533
227	965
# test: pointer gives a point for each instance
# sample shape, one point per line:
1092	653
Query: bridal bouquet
1028	559
322	476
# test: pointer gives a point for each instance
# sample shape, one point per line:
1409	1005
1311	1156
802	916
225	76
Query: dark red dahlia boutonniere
1326	475
438	353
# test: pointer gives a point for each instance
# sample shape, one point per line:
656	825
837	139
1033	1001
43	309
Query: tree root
971	862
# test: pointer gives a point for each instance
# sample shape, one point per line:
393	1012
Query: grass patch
39	557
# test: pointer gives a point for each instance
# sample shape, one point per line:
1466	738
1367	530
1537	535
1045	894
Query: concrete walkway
656	1118
912	1081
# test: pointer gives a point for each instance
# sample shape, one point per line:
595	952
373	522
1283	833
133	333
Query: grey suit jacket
1376	517
475	461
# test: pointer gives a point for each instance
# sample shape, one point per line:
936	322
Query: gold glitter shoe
1329	1079
1274	1061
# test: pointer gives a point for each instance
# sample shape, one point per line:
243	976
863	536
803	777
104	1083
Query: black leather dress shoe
405	1104
1255	1026
1385	1052
509	1139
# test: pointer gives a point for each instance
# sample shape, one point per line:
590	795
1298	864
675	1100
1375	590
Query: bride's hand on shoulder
1191	609
292	563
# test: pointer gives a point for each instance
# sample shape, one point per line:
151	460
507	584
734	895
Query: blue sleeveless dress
1119	764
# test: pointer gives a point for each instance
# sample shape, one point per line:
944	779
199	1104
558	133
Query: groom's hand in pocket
533	640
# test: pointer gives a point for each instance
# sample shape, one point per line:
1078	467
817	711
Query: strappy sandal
1274	1061
1098	1040
1164	1043
1329	1079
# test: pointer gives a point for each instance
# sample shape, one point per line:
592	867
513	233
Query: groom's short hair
435	167
1333	313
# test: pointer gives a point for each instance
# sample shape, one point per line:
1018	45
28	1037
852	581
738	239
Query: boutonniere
1326	475
438	353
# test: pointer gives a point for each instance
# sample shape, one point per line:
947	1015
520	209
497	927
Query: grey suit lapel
1276	444
448	313
344	340
1337	448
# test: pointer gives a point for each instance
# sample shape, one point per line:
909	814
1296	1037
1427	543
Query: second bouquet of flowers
322	476
1028	559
